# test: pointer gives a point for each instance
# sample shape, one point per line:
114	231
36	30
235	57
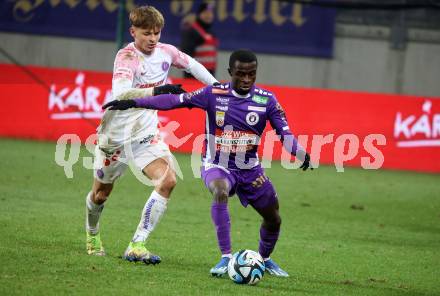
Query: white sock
153	210
227	255
93	212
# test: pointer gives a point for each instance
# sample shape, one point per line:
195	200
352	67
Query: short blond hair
146	17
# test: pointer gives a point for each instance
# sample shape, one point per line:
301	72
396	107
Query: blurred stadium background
392	51
339	67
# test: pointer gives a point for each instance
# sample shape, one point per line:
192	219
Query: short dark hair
242	55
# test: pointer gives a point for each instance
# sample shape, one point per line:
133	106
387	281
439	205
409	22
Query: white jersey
135	70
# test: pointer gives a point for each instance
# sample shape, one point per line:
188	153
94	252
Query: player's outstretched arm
175	89
119	105
144	103
195	99
160	102
134	93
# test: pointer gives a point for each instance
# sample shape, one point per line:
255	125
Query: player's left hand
174	89
120	105
306	164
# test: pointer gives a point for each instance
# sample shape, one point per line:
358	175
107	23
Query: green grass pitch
354	233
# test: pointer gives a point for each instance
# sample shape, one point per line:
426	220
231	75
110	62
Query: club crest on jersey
252	118
165	66
219	118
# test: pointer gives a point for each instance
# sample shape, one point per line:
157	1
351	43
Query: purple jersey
234	123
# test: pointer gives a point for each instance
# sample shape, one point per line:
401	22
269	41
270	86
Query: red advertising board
338	127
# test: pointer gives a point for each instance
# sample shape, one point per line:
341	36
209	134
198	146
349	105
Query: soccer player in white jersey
140	69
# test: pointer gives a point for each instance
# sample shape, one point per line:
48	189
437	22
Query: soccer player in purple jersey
236	118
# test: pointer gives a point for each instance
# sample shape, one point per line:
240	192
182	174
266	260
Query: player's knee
168	183
273	223
220	195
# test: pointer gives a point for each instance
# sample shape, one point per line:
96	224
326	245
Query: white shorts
111	164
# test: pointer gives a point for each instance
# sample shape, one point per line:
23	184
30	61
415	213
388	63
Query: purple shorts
252	186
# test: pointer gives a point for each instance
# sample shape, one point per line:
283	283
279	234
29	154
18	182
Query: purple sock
268	239
220	218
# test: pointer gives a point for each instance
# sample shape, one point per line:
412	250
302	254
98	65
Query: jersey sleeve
195	99
198	98
126	63
278	121
184	62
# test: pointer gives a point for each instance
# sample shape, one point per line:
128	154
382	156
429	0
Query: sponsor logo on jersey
252	118
218	91
143	71
259	99
257	108
153	84
235	141
222	108
220	118
221	100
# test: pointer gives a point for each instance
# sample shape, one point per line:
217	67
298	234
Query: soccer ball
246	267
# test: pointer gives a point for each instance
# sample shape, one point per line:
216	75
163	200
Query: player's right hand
174	89
120	105
306	164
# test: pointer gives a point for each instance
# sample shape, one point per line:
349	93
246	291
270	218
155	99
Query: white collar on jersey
241	96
